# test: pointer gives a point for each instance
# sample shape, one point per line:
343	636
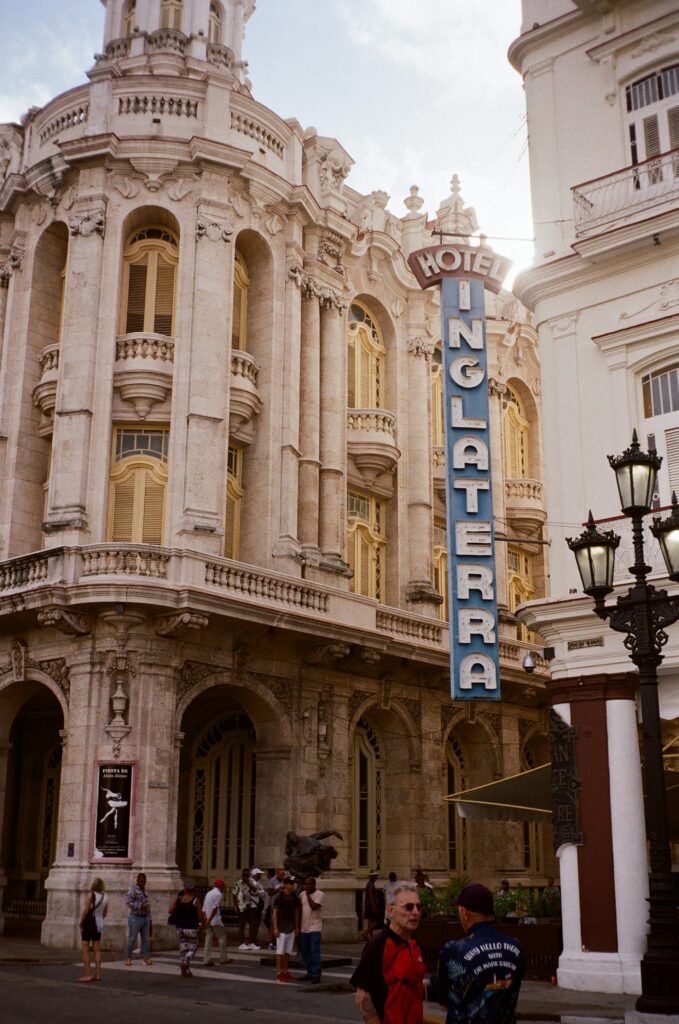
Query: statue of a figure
307	855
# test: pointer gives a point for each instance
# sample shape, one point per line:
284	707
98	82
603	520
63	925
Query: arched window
653	109
49	807
171	14
221	834
440	580
660	394
533	831
234	498
515	431
129	16
438	430
366	543
241	284
138	484
149	283
215	24
456	778
521	587
369	825
366	360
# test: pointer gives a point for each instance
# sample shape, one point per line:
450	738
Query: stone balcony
627	196
45	393
524	503
143	370
244	400
168	580
438	465
371	442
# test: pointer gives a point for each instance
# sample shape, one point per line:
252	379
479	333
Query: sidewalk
538	1001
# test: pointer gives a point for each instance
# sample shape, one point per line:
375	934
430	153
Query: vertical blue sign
474	660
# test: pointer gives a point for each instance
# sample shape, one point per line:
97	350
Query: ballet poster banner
113	802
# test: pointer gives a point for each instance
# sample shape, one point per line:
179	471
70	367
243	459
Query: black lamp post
642	614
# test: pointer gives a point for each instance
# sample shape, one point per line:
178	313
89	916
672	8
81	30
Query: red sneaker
289	977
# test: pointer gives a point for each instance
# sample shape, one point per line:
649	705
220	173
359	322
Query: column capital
421	346
599	686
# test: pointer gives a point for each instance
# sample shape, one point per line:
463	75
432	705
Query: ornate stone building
222	518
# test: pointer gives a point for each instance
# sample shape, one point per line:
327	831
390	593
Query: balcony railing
621	197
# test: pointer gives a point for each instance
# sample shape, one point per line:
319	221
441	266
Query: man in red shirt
389	979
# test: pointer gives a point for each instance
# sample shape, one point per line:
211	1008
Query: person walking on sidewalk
311	899
478	977
371	907
186	914
138	920
286	913
95	909
389	979
214	927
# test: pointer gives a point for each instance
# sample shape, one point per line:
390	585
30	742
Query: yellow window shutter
351	559
154	503
162	319
351	376
365	555
136	297
236	340
123	509
365	373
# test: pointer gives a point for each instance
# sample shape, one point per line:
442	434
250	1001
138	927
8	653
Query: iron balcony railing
621	197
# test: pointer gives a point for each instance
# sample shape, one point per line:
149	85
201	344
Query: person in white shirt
214	929
312	925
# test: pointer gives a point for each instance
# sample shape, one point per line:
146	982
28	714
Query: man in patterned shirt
478	977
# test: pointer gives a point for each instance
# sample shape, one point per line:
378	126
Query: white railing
624	195
371	421
145	346
244	365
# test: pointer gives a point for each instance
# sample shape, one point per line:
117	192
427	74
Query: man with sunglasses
389	979
478	977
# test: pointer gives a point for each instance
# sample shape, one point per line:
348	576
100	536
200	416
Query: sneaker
281	979
272	945
243	946
306	977
252	946
289	977
315	981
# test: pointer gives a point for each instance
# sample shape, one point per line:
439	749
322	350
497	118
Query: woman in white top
95	909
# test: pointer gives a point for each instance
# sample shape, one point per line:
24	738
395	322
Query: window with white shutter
654	121
366	544
149	283
137	485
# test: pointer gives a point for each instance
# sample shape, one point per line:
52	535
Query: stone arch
402	715
535	744
33	713
531	410
460	720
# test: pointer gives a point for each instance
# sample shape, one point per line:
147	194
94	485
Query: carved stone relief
214	230
357	698
88	224
69	622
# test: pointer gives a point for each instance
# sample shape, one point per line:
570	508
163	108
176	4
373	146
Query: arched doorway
30	769
217	797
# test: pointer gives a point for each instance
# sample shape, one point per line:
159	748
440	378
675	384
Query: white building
221	512
602	94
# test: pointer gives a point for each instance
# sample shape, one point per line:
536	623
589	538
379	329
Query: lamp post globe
594	552
666	532
636	472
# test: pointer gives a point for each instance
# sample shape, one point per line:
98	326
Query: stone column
287	548
207	412
5	749
604	878
309	419
4	286
67	517
420	592
333	432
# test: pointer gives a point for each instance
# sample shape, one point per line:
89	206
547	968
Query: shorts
285	943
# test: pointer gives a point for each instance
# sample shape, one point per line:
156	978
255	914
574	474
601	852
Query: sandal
148	961
128	963
82	981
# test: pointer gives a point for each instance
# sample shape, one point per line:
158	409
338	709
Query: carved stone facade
134	617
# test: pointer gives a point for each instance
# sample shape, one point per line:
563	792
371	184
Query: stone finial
453	217
414	202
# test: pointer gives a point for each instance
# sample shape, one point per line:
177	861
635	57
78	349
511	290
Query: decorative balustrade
244	365
45	392
117	49
247	125
407	626
220	56
261	585
123	560
143	103
372	421
166	39
145	346
514	653
524	490
23	572
65	119
623	196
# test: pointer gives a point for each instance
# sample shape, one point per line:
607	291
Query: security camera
529	663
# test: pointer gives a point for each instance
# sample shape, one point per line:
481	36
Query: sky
413	91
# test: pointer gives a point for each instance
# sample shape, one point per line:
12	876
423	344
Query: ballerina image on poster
115	803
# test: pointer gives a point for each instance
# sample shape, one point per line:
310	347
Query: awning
528	797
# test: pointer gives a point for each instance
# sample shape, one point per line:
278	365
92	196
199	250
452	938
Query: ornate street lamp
642	615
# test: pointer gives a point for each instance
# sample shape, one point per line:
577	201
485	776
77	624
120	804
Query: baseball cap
256	871
219	882
288	880
477	898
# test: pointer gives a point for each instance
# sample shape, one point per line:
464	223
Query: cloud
442	40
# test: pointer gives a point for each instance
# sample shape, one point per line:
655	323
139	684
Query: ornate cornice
68	622
174	626
597	687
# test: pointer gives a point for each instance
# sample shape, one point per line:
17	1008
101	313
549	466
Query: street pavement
39	985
